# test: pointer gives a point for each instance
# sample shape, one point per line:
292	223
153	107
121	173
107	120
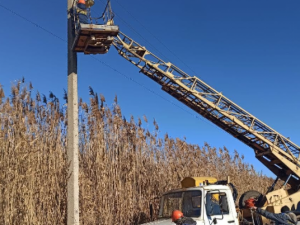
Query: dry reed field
123	166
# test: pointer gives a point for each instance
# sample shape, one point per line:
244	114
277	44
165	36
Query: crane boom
275	151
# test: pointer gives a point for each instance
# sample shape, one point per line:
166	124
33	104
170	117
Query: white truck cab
206	203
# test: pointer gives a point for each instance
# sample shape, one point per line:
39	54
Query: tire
251	194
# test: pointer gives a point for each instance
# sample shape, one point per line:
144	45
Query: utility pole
72	136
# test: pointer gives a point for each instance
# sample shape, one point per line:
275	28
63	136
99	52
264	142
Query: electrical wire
148	89
135	31
138	21
33	23
105	64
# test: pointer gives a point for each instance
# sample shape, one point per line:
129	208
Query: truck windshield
189	202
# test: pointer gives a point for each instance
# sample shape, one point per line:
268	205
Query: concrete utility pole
72	137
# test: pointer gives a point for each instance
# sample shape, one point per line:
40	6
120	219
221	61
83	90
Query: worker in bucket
283	218
82	12
179	219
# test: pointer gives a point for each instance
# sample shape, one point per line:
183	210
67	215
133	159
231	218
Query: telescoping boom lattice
275	151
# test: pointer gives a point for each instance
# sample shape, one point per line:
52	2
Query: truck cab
201	199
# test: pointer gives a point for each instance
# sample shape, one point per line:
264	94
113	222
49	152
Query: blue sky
249	50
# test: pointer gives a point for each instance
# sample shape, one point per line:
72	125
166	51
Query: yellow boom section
274	150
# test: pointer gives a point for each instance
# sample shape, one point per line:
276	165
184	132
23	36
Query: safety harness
81	11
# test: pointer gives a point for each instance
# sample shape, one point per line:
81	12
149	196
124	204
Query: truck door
219	208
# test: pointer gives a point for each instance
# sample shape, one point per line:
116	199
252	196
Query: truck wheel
251	194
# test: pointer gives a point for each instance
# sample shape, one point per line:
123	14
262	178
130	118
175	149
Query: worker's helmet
176	214
81	1
250	203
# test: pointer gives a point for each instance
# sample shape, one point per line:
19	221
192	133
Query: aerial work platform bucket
94	39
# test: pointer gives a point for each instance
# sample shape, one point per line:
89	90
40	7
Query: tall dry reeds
123	166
